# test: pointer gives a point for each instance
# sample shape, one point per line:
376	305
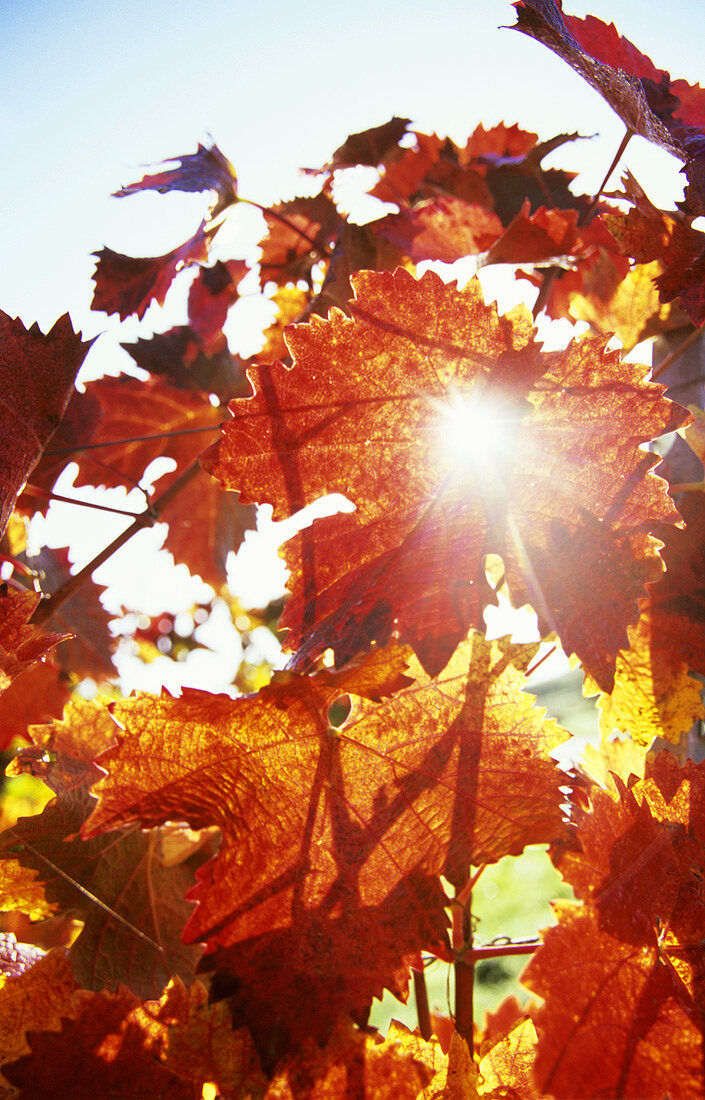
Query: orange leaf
455	437
330	837
36	374
616	1021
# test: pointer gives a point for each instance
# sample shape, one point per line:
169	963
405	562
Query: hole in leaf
338	711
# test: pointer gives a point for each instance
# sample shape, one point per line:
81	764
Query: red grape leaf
108	1048
62	752
123	873
212	293
21	643
369	146
442	230
498	169
39	998
616	1020
132	410
178	357
530	238
37	372
644	97
77	427
36	695
648	234
206	1047
369	410
299	233
322	883
653	693
204	526
405	169
82	619
129	284
352	1064
204	170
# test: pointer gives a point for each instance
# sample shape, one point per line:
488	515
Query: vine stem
131	439
464	964
675	354
35	491
551	274
422	1010
289	224
50	606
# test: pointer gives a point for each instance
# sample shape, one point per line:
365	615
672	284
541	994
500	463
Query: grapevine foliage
220	885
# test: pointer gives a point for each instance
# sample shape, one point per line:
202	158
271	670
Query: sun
473	431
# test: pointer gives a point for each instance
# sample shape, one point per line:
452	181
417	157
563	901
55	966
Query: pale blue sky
90	91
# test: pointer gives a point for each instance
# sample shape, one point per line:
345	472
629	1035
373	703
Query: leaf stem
50	606
289	224
131	439
464	966
553	272
495	951
36	491
675	354
92	897
422	1010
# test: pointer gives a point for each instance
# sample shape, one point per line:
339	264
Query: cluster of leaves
307	846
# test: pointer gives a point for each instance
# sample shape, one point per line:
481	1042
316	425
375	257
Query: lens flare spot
473	432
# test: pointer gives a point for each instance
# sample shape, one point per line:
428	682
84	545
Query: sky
91	93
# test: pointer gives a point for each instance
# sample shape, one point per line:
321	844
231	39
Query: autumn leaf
153	419
178	357
82	619
615	1021
38	999
132	906
653	694
386	408
330	836
104	1049
62	752
369	146
129	284
299	234
21	643
530	238
669	113
650	235
445	229
36	695
212	293
205	170
351	1064
37	373
206	1047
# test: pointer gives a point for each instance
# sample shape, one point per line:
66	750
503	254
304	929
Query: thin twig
422	1010
551	274
464	967
675	354
48	607
92	897
496	951
36	491
290	225
687	487
131	439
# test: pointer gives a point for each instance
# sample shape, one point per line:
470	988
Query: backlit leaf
330	837
455	437
37	373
